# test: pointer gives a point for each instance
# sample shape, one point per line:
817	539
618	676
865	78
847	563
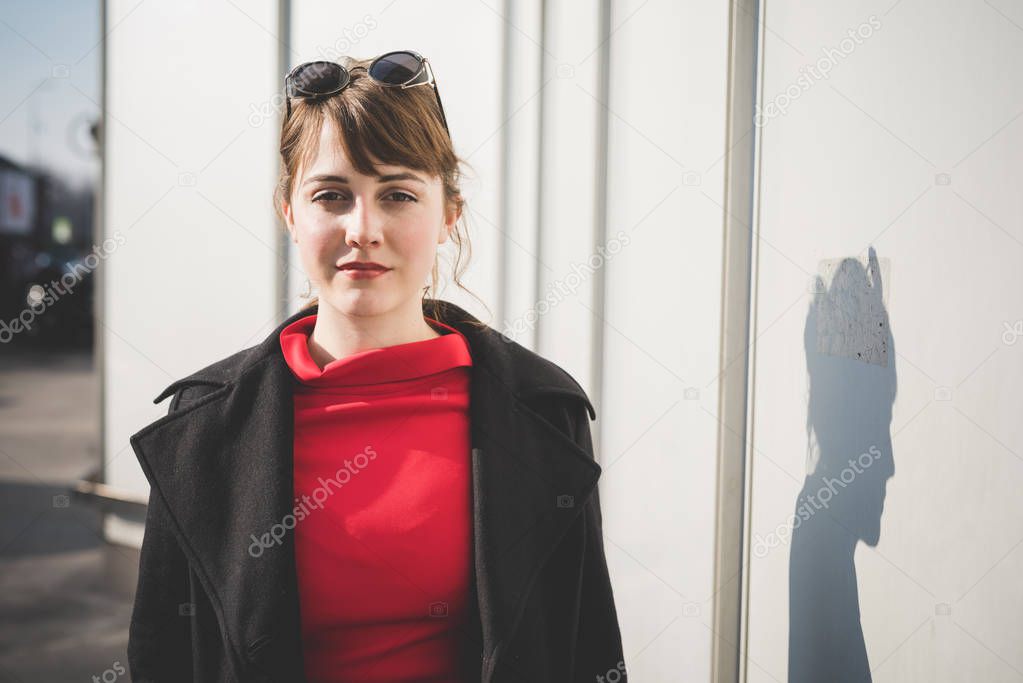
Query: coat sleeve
599	654
159	637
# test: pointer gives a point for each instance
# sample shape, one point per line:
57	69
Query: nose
363	227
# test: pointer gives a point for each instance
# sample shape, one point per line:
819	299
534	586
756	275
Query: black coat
220	469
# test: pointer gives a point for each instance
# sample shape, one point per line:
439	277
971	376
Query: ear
289	219
451	217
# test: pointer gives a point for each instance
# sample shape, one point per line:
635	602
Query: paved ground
58	620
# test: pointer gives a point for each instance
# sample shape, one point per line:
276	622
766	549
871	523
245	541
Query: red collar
373	366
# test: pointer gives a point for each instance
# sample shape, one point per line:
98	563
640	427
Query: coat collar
222	466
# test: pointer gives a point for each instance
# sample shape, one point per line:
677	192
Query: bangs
375	126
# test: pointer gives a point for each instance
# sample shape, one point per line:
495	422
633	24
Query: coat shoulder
539	376
215	374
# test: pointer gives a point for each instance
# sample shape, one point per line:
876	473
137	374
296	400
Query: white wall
661	332
187	190
911	145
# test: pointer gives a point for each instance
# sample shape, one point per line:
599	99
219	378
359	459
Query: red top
382	496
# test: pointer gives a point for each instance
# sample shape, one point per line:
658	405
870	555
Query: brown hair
378	125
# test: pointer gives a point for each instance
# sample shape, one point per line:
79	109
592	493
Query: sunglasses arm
430	80
436	91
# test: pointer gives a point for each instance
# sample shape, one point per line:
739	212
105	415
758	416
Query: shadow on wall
850	360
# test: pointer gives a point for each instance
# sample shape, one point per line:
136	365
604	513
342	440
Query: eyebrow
382	179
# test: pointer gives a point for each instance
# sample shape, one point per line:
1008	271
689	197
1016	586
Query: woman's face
337	216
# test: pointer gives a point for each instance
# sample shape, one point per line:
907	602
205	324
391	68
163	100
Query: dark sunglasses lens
317	78
396	68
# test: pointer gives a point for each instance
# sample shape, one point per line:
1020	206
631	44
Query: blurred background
780	245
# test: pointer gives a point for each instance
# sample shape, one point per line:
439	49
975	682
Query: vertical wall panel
190	164
661	327
528	81
569	152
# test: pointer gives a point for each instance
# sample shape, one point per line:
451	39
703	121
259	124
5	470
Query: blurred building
46	231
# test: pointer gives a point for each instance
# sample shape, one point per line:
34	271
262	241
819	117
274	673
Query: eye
402	196
328	196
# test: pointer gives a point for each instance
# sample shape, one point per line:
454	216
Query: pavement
61	617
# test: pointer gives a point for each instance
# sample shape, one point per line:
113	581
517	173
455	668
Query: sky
51	60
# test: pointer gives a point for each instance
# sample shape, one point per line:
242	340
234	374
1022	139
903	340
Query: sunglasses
400	69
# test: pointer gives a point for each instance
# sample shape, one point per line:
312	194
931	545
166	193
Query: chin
358	301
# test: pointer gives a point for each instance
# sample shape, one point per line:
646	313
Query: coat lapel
224	467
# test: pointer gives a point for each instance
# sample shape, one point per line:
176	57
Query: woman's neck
337	335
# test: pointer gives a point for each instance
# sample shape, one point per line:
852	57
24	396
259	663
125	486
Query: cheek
416	245
315	237
315	248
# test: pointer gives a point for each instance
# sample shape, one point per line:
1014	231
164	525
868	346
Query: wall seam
730	571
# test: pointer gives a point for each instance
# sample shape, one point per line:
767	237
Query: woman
385	488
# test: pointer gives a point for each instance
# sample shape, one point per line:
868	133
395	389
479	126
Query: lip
365	265
361	270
